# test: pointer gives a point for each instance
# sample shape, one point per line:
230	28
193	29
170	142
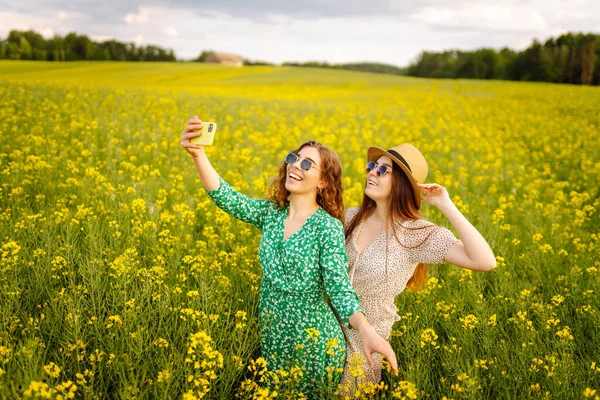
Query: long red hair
330	196
402	206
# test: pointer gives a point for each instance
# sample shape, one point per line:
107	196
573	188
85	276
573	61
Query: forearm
358	321
476	247
208	175
372	342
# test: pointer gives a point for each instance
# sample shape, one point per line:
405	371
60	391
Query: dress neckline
357	234
285	215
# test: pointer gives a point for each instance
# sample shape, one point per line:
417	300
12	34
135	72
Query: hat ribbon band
399	157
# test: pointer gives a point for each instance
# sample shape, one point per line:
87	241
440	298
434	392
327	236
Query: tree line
30	45
358	66
570	58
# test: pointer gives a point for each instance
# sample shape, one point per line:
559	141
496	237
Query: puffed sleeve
349	215
429	243
238	205
334	270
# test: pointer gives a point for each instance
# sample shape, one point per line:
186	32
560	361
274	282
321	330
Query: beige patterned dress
367	272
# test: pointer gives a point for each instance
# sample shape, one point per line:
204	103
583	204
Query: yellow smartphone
208	134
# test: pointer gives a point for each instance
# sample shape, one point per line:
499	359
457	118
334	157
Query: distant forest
570	58
30	45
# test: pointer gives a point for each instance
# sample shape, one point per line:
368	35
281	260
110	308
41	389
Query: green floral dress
297	325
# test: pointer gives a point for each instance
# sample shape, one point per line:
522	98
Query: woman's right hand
192	130
373	342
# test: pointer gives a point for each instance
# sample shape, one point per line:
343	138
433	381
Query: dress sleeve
432	244
334	270
238	205
349	215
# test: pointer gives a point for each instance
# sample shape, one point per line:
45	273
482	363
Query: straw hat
409	159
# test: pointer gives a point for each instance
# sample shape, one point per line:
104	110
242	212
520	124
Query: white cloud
278	18
215	14
171	32
65	15
47	32
101	38
138	39
142	17
484	17
17	21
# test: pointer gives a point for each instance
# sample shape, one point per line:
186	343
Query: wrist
447	207
363	327
198	154
358	321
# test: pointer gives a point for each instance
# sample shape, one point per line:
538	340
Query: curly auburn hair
330	197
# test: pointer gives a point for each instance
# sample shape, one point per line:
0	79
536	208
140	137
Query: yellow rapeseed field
119	277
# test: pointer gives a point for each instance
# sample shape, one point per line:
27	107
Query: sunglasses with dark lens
305	164
380	171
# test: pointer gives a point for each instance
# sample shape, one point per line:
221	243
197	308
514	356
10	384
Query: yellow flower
163	376
160	342
237	361
429	337
469	321
552	322
565	333
241	314
52	369
114	320
404	390
355	364
39	389
313	334
557	299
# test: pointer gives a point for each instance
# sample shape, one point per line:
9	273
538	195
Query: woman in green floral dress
303	257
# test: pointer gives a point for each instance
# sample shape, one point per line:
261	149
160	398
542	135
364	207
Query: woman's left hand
372	343
435	195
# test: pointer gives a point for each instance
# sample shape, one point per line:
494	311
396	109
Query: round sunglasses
379	170
305	164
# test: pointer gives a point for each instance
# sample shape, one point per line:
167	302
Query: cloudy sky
391	31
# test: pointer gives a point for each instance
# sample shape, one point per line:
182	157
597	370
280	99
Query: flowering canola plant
119	277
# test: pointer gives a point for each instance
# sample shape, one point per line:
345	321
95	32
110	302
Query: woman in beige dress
389	244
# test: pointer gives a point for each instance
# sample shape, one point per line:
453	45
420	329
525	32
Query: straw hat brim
374	152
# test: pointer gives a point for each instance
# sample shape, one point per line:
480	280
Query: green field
117	273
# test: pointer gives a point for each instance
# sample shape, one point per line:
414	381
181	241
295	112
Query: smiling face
379	187
299	181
